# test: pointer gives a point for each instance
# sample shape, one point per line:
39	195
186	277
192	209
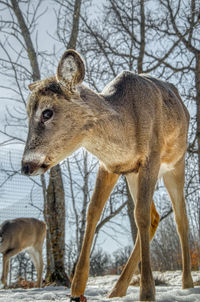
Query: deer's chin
41	170
38	172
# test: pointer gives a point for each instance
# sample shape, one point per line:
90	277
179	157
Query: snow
98	287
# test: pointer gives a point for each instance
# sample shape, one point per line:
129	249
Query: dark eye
46	115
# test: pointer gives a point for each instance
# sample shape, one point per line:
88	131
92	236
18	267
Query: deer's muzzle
34	164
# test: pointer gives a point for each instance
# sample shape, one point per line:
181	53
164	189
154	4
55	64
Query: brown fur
22	234
138	127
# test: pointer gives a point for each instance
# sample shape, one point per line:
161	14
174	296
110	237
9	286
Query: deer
22	234
137	127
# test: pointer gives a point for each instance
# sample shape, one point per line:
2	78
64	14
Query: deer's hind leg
6	263
174	182
123	282
147	177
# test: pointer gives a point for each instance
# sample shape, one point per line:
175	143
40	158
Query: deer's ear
34	85
71	69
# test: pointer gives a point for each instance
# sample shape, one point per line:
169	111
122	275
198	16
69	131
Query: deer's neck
96	103
105	135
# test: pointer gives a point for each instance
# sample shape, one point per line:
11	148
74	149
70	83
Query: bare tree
22	22
120	258
180	26
55	192
166	251
99	263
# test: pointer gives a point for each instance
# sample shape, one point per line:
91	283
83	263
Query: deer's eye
46	115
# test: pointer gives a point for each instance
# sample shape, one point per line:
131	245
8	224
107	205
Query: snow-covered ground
97	289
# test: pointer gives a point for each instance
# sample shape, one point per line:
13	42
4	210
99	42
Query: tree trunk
49	254
84	205
75	25
197	80
27	38
55	199
35	77
142	39
56	220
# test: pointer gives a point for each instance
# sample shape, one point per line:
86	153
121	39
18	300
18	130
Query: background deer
22	234
137	127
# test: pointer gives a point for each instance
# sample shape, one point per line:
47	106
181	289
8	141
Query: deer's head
56	116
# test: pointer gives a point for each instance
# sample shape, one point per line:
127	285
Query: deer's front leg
104	184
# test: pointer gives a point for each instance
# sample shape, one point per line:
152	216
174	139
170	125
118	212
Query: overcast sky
45	42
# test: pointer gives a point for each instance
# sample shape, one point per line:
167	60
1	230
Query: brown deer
20	234
136	127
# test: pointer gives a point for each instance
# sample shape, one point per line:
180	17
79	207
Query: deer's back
146	101
21	232
151	112
137	92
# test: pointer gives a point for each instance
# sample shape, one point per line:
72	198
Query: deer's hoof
188	284
78	299
147	296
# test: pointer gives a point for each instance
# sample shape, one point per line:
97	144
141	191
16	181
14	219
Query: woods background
159	37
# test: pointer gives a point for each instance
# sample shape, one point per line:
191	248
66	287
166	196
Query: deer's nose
25	169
